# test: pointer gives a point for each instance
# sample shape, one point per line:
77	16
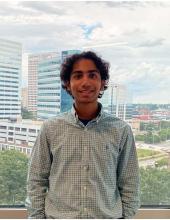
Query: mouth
86	91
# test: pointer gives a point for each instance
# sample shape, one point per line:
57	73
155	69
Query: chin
86	101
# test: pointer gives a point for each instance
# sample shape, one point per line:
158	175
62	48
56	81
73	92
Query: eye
77	76
93	75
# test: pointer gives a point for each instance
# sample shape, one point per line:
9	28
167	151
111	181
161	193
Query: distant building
33	62
10	79
161	114
143	114
24	97
49	87
66	99
67	53
52	99
19	135
135	125
114	101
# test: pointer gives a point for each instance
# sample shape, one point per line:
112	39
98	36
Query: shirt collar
76	119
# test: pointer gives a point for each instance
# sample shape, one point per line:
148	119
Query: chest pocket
105	152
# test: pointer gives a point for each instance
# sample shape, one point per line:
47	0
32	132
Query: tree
163	135
26	114
13	174
139	137
155	185
149	137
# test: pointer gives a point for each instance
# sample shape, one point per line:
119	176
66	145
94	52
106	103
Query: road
162	147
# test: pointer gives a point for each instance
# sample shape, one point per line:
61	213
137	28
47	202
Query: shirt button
85	209
86	167
85	187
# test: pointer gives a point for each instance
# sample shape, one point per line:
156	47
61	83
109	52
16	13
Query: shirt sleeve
38	176
128	175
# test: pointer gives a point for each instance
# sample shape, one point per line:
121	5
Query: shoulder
55	126
115	122
55	122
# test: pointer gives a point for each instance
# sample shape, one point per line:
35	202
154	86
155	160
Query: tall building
33	62
67	53
10	79
114	101
66	99
24	97
52	98
49	87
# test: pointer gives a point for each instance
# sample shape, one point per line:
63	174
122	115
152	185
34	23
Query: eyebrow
89	71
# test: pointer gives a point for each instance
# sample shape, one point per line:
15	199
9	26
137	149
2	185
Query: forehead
84	64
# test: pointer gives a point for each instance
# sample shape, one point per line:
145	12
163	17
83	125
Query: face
85	82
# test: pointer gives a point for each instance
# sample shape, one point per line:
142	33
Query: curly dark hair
67	66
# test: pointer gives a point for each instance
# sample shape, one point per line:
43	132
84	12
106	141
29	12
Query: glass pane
36	37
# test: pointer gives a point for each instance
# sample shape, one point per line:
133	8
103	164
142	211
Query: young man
84	162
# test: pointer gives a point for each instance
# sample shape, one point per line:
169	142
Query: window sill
143	213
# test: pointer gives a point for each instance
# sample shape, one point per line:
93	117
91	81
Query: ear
102	85
68	86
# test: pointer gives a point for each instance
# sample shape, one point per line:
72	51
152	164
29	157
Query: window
10	139
134	36
10	133
32	130
2	127
17	129
11	128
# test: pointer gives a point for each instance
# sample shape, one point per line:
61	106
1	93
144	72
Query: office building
33	62
49	87
10	79
114	101
18	135
24	97
52	99
66	99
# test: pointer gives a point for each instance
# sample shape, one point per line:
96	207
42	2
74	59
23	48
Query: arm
38	174
128	175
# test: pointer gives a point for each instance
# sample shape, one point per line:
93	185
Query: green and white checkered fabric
79	171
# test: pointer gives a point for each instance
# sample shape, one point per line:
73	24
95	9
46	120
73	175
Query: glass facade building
33	62
51	97
115	101
10	79
49	86
66	99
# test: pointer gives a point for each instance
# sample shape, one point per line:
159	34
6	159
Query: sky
133	36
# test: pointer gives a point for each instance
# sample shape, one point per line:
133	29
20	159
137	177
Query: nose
85	81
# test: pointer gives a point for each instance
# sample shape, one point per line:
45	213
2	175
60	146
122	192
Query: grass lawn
146	152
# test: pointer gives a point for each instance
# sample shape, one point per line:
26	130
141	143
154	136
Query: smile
86	91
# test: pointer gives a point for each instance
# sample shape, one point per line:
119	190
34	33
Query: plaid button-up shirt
79	171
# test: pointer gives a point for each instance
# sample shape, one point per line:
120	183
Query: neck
87	111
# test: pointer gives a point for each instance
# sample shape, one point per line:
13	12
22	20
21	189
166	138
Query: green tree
163	134
149	137
26	114
156	138
155	185
13	173
139	137
164	124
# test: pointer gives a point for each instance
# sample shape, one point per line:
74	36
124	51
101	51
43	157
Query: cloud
125	4
152	43
88	29
43	7
147	81
134	36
